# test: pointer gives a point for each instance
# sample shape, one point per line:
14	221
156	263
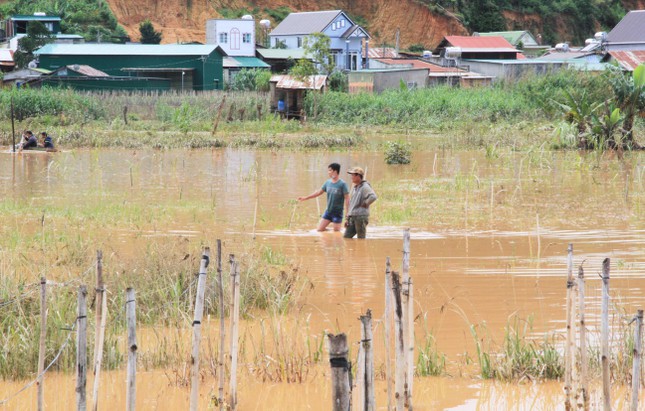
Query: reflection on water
496	262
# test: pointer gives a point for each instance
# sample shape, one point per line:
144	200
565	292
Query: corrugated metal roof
562	55
286	81
511	36
630	29
497	43
31	17
281	54
434	68
87	70
305	23
244	62
381	52
6	55
629	60
108	49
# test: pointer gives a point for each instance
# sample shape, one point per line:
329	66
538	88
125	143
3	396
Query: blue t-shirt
335	196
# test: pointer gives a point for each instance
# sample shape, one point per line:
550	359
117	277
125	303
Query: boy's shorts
335	218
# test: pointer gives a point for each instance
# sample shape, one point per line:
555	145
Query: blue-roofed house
348	39
185	66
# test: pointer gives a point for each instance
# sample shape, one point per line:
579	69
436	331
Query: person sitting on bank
362	196
29	140
47	140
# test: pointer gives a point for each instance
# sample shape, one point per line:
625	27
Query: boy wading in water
337	198
358	213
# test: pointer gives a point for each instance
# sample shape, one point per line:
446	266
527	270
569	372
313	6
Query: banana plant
578	111
605	126
629	92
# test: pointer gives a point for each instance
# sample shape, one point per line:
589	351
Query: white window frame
246	38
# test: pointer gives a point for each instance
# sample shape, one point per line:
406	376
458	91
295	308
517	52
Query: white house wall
236	31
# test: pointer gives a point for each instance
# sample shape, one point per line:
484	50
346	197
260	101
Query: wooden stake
340	372
604	336
388	329
99	359
569	350
368	368
41	346
410	343
222	326
399	345
636	365
255	216
13	130
293	213
81	351
584	384
219	114
197	329
131	377
235	319
405	306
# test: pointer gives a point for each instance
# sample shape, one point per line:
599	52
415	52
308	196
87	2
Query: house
236	37
83	77
629	33
288	93
437	75
520	39
346	37
185	66
16	28
469	47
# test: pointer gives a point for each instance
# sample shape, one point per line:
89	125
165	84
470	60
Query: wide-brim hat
356	170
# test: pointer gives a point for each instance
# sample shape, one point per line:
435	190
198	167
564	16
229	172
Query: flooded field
489	234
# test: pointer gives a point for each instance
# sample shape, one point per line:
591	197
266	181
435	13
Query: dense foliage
581	17
91	19
148	33
37	36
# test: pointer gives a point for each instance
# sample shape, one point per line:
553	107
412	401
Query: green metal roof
109	49
250	62
281	54
31	17
511	36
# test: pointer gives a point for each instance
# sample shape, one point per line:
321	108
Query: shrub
397	152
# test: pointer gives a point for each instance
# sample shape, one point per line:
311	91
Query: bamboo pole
410	344
99	360
569	350
636	364
41	345
99	328
255	216
340	372
368	369
235	319
358	387
13	130
197	329
388	329
399	345
584	384
405	306
219	114
606	394
222	327
81	350
131	377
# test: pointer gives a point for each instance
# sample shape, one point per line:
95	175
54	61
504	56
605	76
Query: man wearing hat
362	196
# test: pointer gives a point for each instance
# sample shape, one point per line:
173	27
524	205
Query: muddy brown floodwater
488	242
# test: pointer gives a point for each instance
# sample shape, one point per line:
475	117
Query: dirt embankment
185	20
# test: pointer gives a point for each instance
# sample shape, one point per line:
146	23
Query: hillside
420	21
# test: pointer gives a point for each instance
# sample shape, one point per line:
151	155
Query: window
246	38
299	42
342	23
333	26
223	38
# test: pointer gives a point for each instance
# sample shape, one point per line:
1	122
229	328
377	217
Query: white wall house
347	38
235	36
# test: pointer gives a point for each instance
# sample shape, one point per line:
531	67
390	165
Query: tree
37	36
148	33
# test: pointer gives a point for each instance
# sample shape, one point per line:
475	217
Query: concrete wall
379	81
511	70
235	31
